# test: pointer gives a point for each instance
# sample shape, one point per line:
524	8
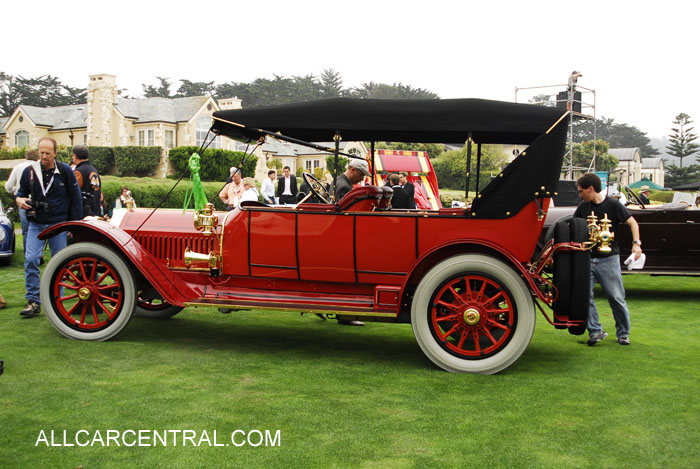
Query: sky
641	58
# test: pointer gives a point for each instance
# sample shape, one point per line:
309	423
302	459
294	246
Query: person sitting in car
250	192
357	169
644	194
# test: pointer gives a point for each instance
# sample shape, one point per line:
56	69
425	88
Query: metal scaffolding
574	98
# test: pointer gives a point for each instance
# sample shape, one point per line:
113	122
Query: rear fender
171	287
431	258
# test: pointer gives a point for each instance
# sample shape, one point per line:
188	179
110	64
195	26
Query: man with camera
88	180
49	192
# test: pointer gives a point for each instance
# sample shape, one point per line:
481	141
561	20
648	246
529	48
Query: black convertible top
396	120
533	175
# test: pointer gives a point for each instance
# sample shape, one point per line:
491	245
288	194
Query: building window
169	139
142	138
151	138
310	165
21	139
84	139
203	124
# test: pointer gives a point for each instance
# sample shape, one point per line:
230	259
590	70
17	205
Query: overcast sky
641	60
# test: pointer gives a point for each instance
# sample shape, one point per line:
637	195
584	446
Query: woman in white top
250	192
123	198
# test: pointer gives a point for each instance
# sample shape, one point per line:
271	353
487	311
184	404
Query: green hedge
214	162
661	196
136	161
149	192
14	154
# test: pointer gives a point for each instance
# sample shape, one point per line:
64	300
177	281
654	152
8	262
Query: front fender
171	287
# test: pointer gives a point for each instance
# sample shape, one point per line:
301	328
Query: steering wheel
317	188
632	195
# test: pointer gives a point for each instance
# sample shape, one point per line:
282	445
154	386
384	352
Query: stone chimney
229	103
102	95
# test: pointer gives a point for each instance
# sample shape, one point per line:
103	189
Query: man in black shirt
605	267
410	188
88	180
401	197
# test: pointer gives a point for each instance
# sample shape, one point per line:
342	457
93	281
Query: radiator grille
172	247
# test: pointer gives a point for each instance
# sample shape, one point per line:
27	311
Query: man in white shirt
268	187
12	185
287	187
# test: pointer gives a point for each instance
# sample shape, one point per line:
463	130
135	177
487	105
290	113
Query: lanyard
40	176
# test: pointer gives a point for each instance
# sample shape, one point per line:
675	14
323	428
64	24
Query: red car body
462	277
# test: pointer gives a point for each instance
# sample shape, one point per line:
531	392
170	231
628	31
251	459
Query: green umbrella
646	182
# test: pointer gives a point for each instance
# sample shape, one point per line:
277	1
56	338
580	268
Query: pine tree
682	139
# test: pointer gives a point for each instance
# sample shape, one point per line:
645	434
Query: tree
583	154
9	99
675	176
542	99
43	91
266	92
331	84
342	164
163	91
190	88
450	166
617	135
373	90
682	140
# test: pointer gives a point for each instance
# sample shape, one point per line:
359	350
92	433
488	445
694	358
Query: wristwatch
638	242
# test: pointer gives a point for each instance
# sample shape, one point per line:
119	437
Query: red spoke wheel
88	292
472	316
473	313
147	306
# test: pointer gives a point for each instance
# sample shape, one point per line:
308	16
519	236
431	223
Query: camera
34	207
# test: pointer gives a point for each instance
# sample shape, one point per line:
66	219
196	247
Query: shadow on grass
390	344
643	293
298	339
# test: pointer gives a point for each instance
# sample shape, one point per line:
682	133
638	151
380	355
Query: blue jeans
35	248
606	271
24	223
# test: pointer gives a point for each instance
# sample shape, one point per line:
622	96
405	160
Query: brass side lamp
600	234
205	220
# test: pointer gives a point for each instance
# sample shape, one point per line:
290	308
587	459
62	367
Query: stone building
108	119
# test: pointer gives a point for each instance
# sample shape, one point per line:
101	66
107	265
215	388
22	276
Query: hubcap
84	293
471	316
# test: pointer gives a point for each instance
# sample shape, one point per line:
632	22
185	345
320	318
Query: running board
359	305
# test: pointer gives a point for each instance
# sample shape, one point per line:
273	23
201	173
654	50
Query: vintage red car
462	277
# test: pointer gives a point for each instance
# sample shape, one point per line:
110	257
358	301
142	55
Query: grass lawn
352	396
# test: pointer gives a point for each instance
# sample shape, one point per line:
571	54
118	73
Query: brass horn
191	256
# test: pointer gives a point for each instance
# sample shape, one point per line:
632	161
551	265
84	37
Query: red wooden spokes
472	316
88	293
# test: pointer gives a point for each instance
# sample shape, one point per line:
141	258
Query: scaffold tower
571	96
